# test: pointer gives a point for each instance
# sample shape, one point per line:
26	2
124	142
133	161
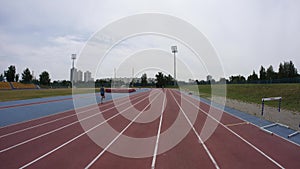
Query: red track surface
59	141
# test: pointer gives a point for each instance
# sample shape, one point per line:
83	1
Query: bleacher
5	85
17	85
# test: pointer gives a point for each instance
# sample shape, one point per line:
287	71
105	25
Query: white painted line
197	134
264	128
42	124
269	125
55	130
283	125
240	137
158	133
78	136
293	134
267	131
105	149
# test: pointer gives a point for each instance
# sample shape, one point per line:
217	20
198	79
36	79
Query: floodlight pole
174	50
73	57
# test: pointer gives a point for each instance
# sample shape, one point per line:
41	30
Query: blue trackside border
18	114
276	129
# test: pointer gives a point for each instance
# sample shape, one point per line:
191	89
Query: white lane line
158	133
64	117
197	134
105	149
240	137
55	130
78	136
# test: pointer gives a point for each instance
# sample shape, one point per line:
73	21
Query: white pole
174	50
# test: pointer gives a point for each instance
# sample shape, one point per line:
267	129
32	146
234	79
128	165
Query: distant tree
252	78
27	76
281	71
169	80
271	75
160	81
262	73
292	70
202	82
287	70
44	78
35	81
237	79
10	74
66	83
98	82
144	80
1	77
212	81
17	77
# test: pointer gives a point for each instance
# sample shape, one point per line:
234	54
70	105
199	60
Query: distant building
73	75
79	76
88	76
76	75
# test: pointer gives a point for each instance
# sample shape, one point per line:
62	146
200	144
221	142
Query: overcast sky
42	35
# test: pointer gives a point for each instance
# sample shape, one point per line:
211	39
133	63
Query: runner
102	93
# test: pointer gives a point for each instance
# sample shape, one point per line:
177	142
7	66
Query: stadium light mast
73	73
174	50
73	57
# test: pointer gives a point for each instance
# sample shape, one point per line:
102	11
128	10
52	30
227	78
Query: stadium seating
5	85
17	85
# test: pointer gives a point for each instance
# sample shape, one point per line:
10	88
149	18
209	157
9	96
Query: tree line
10	75
287	73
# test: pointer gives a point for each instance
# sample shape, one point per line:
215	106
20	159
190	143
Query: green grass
9	95
253	93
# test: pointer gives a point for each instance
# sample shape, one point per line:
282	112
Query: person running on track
102	93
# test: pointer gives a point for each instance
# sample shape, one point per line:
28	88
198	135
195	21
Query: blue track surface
12	115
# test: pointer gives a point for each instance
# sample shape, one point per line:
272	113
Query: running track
59	141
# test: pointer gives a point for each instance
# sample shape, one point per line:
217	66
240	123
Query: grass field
253	93
8	95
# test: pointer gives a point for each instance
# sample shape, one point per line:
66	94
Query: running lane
60	141
26	150
238	144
